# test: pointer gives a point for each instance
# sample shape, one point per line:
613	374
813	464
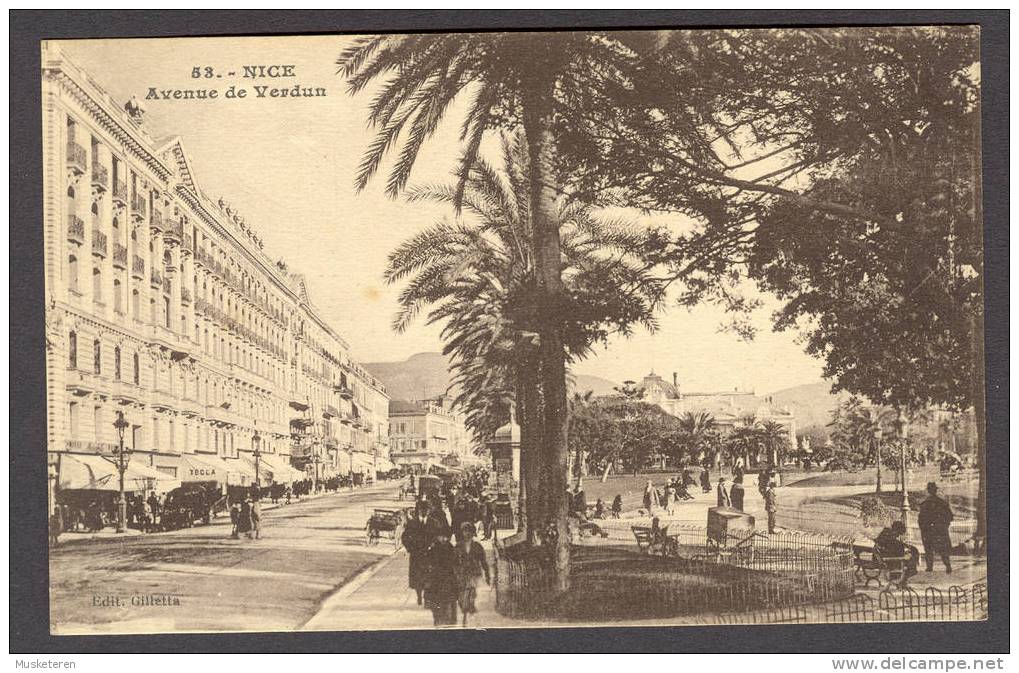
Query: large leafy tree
837	168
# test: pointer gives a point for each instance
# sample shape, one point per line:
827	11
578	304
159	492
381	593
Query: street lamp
256	440
877	453
122	459
902	465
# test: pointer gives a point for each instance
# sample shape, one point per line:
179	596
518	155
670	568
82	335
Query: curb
345	590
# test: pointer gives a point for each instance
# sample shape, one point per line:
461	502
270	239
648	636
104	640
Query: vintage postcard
514	329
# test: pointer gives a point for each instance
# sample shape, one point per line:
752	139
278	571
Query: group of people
676	489
733	496
246	517
934	519
447	564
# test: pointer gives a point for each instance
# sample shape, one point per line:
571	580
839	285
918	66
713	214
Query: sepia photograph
528	329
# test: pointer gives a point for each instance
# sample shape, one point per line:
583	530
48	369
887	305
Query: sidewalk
381	599
108	533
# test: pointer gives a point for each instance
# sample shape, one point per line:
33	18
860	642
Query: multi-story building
426	433
163	305
728	408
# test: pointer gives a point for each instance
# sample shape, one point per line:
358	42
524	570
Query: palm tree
773	436
512	79
695	428
477	275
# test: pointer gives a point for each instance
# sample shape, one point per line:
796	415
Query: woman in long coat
471	566
442	588
244	518
418	535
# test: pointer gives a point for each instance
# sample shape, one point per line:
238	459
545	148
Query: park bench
665	545
872	565
388	522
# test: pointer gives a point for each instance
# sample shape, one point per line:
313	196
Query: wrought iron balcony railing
100	176
75	229
119	256
99	243
77	158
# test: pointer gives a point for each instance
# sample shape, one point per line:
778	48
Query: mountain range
426	375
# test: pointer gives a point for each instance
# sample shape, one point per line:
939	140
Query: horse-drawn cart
385	523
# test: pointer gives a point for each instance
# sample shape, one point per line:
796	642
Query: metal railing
137	267
75	229
98	243
737	571
120	192
100	176
957	603
120	255
77	158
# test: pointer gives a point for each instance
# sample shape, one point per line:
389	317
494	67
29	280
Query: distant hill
427	374
811	403
596	384
418	377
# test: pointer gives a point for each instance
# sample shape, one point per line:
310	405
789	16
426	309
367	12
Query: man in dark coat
890	545
418	535
441	585
934	519
723	494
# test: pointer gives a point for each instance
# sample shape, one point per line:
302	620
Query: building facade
426	433
729	408
163	305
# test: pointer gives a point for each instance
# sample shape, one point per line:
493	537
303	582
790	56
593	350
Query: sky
288	165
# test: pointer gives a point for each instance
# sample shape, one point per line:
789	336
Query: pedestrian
670	499
488	516
890	545
599	509
256	517
650	498
244	518
736	492
935	518
723	494
770	506
235	519
417	537
471	566
617	506
56	526
705	481
441	586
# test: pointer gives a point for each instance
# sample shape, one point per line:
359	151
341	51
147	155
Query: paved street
211	582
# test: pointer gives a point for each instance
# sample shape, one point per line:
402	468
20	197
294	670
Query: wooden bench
665	545
871	565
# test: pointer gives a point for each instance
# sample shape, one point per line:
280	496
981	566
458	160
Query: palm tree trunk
537	115
531	468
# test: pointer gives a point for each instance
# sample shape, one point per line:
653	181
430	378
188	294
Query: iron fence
957	603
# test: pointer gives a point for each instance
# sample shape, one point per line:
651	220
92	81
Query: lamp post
877	453
256	441
902	465
122	459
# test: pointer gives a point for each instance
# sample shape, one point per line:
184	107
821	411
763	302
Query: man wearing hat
934	519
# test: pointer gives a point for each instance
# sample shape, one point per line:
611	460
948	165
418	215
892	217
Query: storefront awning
383	464
282	472
96	473
201	467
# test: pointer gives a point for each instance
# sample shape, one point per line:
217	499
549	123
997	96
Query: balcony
345	392
99	243
81	383
120	192
346	419
173	232
138	207
298	405
119	256
156	279
301	423
166	286
75	229
219	415
329	411
125	393
100	176
185	295
138	267
76	157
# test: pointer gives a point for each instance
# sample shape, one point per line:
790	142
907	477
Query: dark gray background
29	584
